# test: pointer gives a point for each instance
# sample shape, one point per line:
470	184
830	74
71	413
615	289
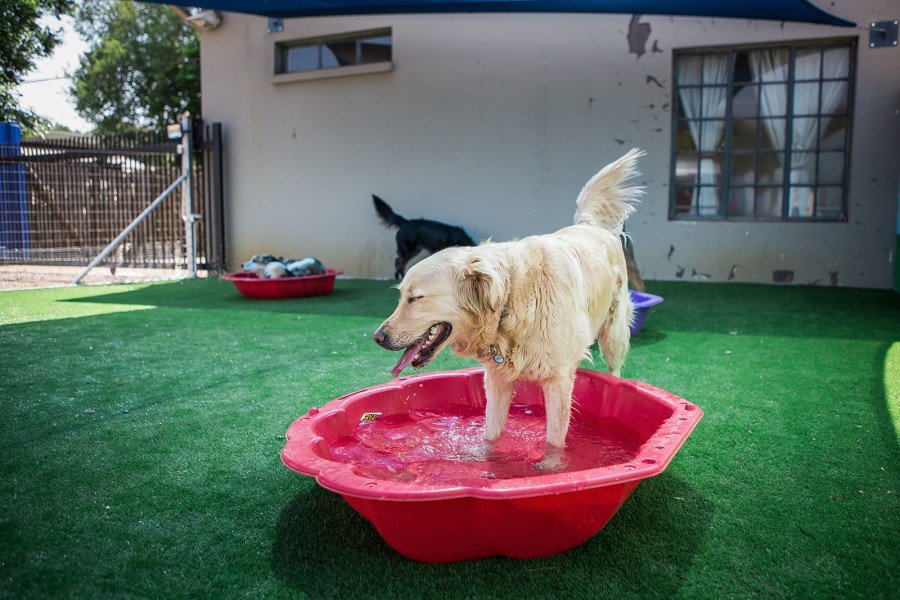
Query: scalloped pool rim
303	451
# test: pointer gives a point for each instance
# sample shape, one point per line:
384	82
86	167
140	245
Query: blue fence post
15	241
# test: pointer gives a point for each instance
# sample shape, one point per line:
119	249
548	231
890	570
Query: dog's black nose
380	337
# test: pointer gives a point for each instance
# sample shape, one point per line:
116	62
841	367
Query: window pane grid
762	133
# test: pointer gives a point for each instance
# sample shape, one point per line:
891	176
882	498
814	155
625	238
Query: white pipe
130	228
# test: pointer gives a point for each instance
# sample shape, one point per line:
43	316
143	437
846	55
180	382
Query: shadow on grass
646	337
325	549
783	311
351	297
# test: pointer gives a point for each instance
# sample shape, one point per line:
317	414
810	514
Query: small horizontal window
334	52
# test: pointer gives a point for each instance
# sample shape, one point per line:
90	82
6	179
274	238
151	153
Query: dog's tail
388	216
605	201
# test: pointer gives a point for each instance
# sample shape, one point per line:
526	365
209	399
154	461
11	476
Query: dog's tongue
408	355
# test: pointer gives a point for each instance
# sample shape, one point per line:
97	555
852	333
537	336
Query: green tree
142	69
23	39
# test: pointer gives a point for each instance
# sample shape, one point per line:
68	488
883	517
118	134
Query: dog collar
495	354
492	350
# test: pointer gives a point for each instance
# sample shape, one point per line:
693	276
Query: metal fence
63	200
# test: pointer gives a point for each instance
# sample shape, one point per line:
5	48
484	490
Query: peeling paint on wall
652	79
638	34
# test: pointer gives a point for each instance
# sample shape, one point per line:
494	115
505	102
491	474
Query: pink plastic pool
446	505
252	286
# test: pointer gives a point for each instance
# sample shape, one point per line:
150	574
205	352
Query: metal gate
64	200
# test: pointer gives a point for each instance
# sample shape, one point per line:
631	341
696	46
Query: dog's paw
486	450
552	461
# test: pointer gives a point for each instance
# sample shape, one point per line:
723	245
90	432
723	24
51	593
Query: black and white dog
414	235
267	266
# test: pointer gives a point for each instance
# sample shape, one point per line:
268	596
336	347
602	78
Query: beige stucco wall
494	122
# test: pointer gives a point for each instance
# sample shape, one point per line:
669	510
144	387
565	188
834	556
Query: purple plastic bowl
642	302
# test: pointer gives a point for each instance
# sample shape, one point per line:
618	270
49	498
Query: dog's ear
479	288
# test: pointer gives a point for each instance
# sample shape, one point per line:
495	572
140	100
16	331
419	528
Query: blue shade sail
801	11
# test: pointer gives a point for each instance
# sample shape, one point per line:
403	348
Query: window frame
358	67
726	147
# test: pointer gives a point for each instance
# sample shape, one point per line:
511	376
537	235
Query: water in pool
444	446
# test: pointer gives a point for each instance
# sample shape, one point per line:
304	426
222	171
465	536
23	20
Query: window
762	133
333	52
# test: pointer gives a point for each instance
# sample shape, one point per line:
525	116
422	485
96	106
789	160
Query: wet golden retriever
527	309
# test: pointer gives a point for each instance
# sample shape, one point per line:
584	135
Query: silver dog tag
498	359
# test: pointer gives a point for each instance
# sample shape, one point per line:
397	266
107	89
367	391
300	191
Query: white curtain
770	68
704	98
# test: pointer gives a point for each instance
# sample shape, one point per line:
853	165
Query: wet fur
537	303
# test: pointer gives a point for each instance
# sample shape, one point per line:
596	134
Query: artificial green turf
141	428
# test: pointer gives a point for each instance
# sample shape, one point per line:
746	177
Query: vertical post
187	194
213	198
15	234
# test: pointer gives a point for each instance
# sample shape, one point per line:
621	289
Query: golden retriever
527	309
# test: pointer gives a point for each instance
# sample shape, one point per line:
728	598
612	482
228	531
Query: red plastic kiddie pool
275	288
536	514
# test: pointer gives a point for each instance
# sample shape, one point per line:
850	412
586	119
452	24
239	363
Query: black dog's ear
479	288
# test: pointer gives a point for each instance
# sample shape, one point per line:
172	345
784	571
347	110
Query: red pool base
528	516
467	528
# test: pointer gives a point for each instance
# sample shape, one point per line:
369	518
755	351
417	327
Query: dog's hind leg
615	350
615	330
499	393
615	335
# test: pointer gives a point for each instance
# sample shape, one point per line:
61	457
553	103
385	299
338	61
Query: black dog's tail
388	216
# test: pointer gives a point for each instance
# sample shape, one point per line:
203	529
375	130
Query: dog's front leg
558	404
499	393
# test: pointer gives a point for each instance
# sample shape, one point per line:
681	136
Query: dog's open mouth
422	351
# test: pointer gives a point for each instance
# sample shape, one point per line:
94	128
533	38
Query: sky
44	89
